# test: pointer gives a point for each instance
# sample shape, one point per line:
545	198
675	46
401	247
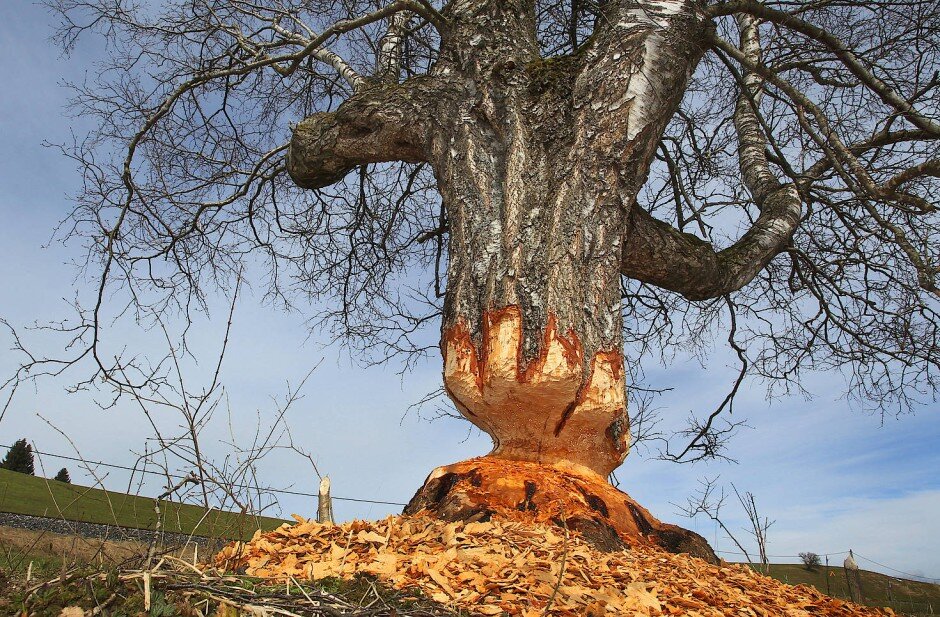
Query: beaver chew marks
551	410
489	488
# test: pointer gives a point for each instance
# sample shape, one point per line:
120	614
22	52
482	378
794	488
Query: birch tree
563	186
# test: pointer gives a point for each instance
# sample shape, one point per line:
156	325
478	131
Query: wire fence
905	596
910	575
86	461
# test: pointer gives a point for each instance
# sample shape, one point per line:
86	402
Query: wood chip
514	567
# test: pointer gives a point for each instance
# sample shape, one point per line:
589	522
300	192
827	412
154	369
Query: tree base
567	496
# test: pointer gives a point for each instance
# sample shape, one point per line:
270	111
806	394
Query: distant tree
810	560
759	526
63	476
19	458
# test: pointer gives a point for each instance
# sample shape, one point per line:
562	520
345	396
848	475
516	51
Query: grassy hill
901	595
25	494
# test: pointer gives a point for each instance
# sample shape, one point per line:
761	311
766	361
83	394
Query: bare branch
838	48
378	125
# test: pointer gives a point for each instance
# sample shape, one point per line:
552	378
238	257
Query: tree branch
388	63
380	124
827	138
664	256
752	145
846	55
351	24
659	254
619	93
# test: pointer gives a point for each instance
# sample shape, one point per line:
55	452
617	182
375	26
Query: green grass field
901	595
24	494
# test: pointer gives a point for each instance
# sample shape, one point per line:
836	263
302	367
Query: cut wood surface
491	488
518	568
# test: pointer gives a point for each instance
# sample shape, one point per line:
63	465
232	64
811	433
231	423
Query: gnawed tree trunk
538	172
491	487
538	162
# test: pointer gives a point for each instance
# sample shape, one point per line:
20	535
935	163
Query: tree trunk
539	166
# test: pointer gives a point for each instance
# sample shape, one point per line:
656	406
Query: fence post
853	577
324	502
828	591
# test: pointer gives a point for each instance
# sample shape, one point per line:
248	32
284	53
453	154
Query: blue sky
831	476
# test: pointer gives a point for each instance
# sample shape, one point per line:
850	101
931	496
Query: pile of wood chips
516	568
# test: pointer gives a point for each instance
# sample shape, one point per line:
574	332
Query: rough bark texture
381	123
538	169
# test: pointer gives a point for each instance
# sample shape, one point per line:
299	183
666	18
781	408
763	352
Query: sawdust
518	568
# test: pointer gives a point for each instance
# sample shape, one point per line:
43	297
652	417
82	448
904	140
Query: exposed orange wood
492	488
550	410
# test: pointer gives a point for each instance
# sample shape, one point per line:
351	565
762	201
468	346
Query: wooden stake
147	591
29	572
324	502
853	578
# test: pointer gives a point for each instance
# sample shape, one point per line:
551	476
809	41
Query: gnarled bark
539	172
381	123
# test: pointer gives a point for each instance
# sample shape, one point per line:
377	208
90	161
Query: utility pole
828	591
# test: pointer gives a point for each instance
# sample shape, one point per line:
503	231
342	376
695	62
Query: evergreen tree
19	458
63	476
